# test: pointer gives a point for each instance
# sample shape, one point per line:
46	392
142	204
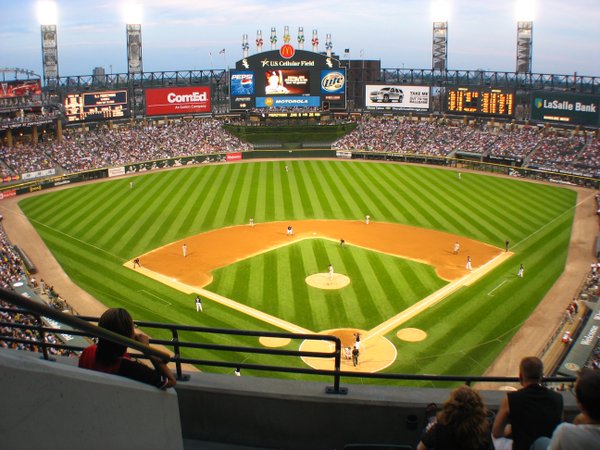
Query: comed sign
571	109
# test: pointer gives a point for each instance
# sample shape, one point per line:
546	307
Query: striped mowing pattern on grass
92	229
381	285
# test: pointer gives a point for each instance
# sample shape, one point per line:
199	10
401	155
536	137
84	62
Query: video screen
287	82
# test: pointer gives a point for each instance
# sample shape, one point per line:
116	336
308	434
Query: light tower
47	17
440	11
525	13
132	13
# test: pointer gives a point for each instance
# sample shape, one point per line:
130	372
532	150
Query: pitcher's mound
322	281
411	334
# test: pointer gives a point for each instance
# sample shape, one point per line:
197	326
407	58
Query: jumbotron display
480	101
287	78
90	106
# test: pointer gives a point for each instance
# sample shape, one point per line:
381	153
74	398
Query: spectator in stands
584	432
462	423
531	412
111	357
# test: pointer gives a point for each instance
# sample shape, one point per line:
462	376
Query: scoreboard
92	106
480	101
287	78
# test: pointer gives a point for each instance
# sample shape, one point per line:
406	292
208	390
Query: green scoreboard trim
565	108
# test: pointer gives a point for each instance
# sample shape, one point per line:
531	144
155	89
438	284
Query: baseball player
136	262
290	231
521	271
184	250
367	219
456	248
469	267
330	272
198	304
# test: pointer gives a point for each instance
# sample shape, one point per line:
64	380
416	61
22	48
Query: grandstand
49	141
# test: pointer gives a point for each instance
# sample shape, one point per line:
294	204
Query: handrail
75	322
82	324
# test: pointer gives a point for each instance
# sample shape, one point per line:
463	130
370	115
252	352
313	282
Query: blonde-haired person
461	424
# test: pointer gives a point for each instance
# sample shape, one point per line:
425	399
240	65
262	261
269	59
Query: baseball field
255	277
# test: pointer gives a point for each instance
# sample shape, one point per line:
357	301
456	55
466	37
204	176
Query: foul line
553	220
156	296
77	239
435	298
490	293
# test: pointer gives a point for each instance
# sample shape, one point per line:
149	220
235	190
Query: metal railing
81	326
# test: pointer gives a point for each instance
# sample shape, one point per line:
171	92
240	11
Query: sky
189	34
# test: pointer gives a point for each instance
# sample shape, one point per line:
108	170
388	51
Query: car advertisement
413	98
570	109
177	100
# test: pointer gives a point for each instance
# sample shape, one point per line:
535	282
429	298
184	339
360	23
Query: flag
221	52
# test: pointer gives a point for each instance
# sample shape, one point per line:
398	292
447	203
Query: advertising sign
409	98
559	107
177	100
288	102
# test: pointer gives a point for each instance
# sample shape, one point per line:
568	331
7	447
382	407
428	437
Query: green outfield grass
93	229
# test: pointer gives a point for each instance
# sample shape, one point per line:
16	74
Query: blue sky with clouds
181	34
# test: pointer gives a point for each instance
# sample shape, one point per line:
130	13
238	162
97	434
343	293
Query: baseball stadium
302	238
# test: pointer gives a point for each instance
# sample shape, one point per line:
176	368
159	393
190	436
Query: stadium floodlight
47	16
440	10
47	13
525	10
132	13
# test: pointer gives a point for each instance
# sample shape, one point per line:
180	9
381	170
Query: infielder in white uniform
456	248
469	267
184	250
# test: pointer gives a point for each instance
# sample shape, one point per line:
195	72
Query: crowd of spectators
122	144
106	147
11	271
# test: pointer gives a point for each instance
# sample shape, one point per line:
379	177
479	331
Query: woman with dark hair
461	424
110	357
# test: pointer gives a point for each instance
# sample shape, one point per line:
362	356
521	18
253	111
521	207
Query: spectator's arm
501	419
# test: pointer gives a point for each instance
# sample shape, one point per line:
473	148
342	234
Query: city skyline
186	35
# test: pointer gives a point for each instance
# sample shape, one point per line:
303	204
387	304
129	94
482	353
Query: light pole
47	17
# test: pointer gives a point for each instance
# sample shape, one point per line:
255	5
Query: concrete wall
270	413
51	405
48	405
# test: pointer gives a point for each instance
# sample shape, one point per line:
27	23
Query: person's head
587	391
466	415
531	370
119	321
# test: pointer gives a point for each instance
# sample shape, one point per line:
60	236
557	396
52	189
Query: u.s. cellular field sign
571	109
